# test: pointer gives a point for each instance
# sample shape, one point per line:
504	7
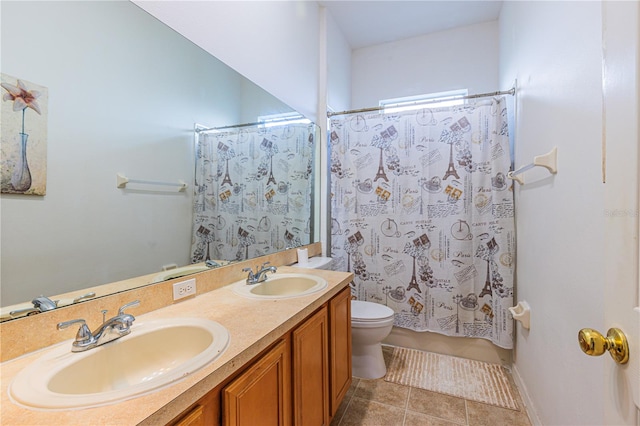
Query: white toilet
370	324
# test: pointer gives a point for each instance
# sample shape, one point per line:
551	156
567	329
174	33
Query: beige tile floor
380	403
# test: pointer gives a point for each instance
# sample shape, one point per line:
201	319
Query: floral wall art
23	126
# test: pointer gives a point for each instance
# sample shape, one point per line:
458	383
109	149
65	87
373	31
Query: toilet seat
368	312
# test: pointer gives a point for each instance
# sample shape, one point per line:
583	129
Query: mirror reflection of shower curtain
252	191
423	215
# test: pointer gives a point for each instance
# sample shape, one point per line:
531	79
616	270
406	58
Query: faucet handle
83	335
84	296
128	305
265	264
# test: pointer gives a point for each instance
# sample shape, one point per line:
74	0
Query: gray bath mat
464	378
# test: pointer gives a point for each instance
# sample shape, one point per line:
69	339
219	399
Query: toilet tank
318	262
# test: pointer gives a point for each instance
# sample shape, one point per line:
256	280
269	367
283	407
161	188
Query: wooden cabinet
261	394
195	417
310	342
339	348
206	412
299	380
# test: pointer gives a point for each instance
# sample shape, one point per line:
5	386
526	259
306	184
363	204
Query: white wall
121	99
554	50
339	67
335	92
272	43
461	58
256	102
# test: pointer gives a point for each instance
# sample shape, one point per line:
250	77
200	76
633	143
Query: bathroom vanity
288	361
302	377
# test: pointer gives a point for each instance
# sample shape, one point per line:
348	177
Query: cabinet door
262	394
310	371
340	347
195	417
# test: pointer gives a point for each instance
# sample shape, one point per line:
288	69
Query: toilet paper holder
522	312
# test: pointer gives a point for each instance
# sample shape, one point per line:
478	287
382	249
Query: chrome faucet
40	304
212	264
44	304
111	329
261	273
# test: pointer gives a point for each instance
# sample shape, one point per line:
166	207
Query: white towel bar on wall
549	161
122	181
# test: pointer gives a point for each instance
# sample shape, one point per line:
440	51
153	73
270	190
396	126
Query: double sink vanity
272	352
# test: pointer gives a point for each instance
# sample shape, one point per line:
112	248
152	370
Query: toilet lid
369	311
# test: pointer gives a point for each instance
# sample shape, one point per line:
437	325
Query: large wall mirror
124	93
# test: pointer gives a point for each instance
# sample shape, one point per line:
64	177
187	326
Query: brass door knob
595	344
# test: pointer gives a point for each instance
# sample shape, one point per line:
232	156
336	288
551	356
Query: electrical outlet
184	289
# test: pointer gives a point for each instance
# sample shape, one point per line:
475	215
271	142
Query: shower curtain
423	215
252	191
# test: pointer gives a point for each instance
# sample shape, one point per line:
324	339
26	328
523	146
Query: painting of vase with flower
23	128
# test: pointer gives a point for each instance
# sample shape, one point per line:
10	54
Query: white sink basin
281	286
155	354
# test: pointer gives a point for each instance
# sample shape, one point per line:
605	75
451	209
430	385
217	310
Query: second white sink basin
281	286
178	272
155	354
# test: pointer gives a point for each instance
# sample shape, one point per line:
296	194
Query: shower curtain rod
233	126
511	92
255	123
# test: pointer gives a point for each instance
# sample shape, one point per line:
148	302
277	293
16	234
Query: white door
621	50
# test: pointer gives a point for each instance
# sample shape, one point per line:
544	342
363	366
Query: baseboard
526	399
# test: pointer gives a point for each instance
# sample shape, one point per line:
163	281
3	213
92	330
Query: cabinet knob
595	344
